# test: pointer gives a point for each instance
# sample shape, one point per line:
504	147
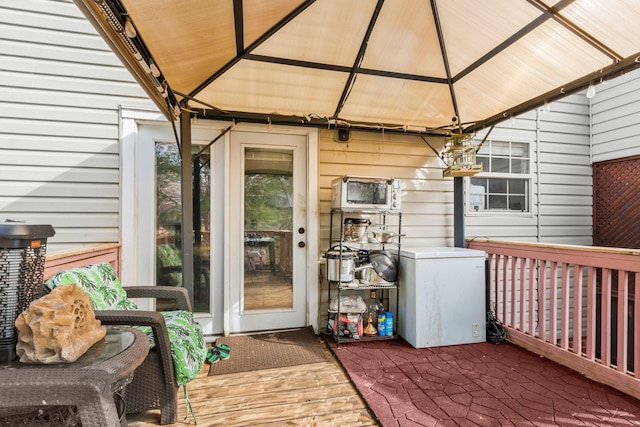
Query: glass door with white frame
268	285
168	221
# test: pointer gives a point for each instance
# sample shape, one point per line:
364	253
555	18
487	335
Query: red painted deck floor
483	384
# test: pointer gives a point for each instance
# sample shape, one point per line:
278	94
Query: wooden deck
318	394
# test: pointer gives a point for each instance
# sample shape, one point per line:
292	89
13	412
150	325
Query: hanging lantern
460	156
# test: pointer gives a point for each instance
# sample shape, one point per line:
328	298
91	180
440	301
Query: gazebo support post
187	203
458	212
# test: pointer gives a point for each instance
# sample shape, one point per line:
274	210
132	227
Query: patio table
93	384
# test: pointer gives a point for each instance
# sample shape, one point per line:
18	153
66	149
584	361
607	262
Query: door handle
301	244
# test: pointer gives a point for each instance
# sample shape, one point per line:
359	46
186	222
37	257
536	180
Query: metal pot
368	275
340	264
382	236
355	229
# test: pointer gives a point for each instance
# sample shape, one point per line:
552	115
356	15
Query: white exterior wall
616	118
60	92
565	179
427	198
561	186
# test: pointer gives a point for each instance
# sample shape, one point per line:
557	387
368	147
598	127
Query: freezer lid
440	252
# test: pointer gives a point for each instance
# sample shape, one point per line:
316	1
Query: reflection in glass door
168	221
268	225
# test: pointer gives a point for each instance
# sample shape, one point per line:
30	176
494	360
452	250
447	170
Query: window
505	183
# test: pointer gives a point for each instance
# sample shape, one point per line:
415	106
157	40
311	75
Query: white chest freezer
441	296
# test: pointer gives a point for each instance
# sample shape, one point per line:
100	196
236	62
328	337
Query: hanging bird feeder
460	156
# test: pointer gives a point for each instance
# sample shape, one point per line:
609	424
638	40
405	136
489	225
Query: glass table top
115	342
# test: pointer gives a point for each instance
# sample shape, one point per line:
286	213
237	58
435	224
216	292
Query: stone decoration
58	327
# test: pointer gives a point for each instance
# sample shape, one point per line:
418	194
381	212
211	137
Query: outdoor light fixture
342	134
591	91
546	107
460	156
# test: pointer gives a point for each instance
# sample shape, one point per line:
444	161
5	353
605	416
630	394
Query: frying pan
384	264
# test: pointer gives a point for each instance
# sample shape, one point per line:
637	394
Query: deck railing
65	260
572	304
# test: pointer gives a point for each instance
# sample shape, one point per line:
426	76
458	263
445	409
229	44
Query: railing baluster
636	326
564	310
605	318
523	293
490	261
591	313
532	296
577	309
496	274
505	287
514	291
542	301
553	304
623	320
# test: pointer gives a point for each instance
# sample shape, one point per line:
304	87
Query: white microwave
362	193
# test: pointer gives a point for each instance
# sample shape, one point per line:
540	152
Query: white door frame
138	248
140	130
312	219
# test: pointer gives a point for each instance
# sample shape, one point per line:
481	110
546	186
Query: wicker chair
154	384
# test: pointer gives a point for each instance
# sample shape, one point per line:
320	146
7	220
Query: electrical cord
496	332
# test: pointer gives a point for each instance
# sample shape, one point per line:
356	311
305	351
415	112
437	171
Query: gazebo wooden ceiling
407	65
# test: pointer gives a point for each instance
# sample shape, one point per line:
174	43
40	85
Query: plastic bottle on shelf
388	327
382	322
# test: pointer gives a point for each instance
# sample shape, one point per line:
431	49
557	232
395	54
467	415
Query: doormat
272	350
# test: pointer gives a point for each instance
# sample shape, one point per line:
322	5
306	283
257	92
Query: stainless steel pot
382	236
368	275
355	229
341	264
382	267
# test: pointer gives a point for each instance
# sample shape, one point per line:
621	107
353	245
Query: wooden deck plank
269	399
285	384
275	411
318	394
271	377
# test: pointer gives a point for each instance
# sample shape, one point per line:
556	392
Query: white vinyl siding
561	178
565	186
61	89
616	118
427	198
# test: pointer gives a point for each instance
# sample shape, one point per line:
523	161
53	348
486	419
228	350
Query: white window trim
528	176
